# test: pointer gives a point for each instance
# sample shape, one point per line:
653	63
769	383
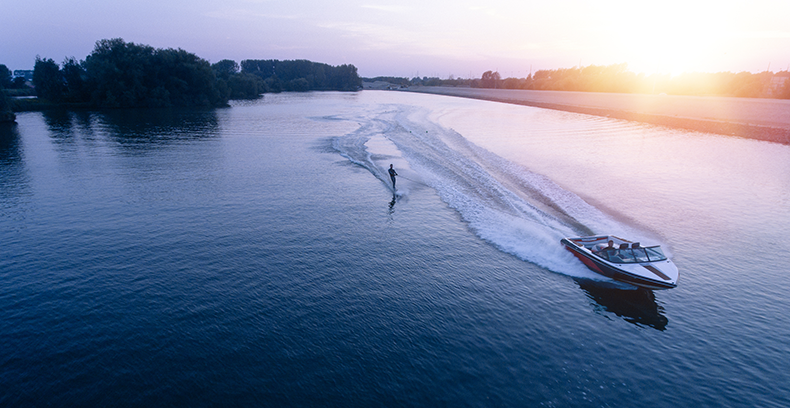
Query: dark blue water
257	255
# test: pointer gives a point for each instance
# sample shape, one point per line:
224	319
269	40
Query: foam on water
518	211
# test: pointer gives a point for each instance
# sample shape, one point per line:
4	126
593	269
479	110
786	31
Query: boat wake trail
518	211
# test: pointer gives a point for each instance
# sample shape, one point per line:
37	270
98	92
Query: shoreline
751	118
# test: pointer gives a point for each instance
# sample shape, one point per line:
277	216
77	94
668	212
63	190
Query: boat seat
623	246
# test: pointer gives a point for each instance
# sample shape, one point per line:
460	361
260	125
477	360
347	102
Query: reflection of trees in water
132	128
10	148
129	150
64	124
14	183
161	124
637	306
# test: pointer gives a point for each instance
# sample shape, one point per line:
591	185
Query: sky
412	38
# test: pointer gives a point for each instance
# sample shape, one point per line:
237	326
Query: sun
655	39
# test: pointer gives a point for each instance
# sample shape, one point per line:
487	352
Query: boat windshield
633	255
656	254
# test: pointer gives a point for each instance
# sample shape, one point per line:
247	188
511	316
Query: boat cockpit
631	254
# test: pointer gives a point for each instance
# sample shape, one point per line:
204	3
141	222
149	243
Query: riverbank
753	118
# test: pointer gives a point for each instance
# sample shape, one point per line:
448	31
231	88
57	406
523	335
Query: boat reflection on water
634	305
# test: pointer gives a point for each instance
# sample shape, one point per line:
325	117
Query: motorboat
625	261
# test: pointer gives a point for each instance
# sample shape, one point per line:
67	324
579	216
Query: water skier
392	176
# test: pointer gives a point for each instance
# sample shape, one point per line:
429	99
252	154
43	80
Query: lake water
257	255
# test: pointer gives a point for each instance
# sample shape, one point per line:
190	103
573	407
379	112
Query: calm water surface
257	255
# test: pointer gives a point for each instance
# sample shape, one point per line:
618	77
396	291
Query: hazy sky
425	38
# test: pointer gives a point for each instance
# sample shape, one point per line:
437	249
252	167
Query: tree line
616	78
6	82
255	77
6	113
119	74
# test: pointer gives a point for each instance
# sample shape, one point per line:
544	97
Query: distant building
24	73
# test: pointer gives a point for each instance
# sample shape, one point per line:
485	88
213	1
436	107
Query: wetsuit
392	176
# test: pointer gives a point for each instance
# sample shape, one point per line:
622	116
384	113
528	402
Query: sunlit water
258	255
